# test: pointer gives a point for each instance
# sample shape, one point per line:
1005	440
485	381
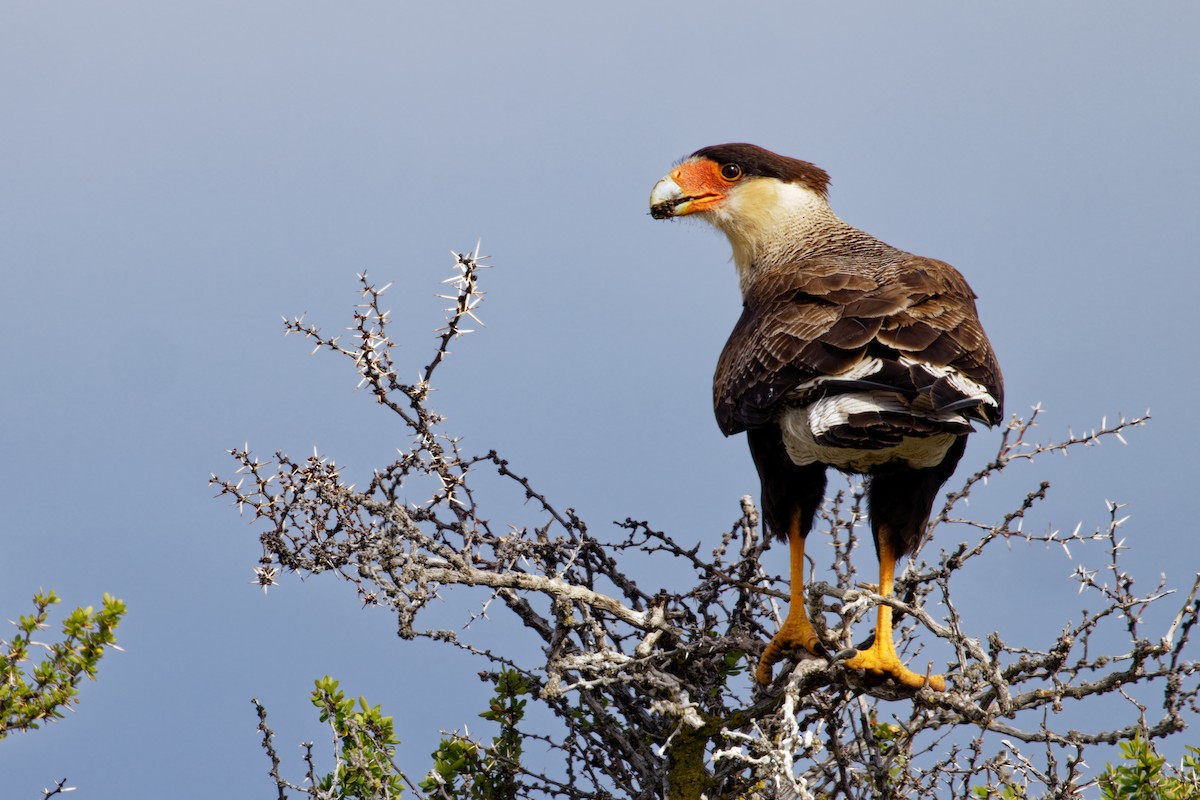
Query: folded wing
874	355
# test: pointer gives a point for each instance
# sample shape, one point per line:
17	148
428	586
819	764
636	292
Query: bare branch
650	688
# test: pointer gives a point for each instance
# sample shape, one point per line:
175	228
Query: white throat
769	222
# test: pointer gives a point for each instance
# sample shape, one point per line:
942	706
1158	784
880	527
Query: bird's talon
797	633
843	655
882	662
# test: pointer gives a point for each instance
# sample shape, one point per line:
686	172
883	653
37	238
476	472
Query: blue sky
177	176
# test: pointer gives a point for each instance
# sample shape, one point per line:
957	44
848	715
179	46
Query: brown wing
821	318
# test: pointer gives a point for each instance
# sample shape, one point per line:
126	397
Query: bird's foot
880	660
797	631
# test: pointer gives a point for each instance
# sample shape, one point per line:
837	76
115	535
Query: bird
849	354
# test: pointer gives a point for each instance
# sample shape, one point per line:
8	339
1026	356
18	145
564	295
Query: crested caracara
849	353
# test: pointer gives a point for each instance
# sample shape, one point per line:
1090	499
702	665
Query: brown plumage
849	353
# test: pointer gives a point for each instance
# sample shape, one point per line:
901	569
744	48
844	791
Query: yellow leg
796	631
880	658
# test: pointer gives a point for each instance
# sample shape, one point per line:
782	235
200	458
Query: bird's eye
731	172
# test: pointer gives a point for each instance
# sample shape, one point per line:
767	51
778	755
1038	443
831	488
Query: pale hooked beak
667	199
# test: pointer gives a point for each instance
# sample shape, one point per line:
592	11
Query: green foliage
365	747
31	696
367	744
1145	775
1003	791
892	745
467	770
732	664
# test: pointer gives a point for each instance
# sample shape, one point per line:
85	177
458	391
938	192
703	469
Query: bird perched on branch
849	353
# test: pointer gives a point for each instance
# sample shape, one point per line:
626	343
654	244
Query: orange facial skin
699	184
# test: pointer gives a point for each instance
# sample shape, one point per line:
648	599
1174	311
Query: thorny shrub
648	685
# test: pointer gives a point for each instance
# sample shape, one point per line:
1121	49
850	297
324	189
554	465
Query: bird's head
764	202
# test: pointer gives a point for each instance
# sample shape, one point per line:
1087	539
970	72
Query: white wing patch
863	369
969	389
810	424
